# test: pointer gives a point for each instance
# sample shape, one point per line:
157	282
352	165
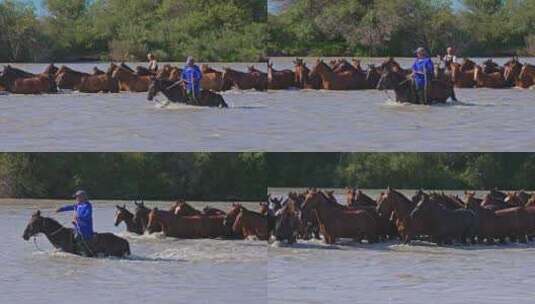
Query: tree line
241	30
211	30
398	27
246	176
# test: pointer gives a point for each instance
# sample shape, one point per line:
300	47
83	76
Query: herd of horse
497	217
338	74
436	217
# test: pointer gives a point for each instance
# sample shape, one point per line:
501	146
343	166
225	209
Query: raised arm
66	208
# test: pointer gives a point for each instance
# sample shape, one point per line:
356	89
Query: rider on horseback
82	221
422	74
191	76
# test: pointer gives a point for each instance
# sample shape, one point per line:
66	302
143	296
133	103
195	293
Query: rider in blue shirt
82	221
423	71
191	76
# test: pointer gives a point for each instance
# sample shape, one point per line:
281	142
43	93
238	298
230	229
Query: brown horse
67	78
460	78
397	207
123	215
338	221
185	227
493	80
250	223
86	83
129	81
302	76
102	244
338	81
211	79
279	80
184	209
241	80
526	78
261	78
229	221
512	71
20	83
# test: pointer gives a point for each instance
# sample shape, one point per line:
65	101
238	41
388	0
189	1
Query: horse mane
332	202
47	221
401	196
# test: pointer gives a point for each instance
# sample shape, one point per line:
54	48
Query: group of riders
422	76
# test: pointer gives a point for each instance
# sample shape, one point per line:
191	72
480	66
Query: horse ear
37	213
118	207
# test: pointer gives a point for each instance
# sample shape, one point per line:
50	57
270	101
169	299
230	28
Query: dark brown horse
279	80
123	215
337	221
241	80
373	75
175	92
261	78
442	224
229	221
302	76
512	71
287	223
493	80
185	227
141	216
489	67
213	211
403	87
102	244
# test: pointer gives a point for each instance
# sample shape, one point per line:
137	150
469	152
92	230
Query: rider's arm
66	208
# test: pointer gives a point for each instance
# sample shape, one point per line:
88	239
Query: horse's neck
325	74
130	224
60	237
402	206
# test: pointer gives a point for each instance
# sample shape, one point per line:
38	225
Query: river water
312	272
160	270
484	120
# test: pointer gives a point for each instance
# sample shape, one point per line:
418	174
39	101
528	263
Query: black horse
102	244
444	225
174	91
287	224
439	91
